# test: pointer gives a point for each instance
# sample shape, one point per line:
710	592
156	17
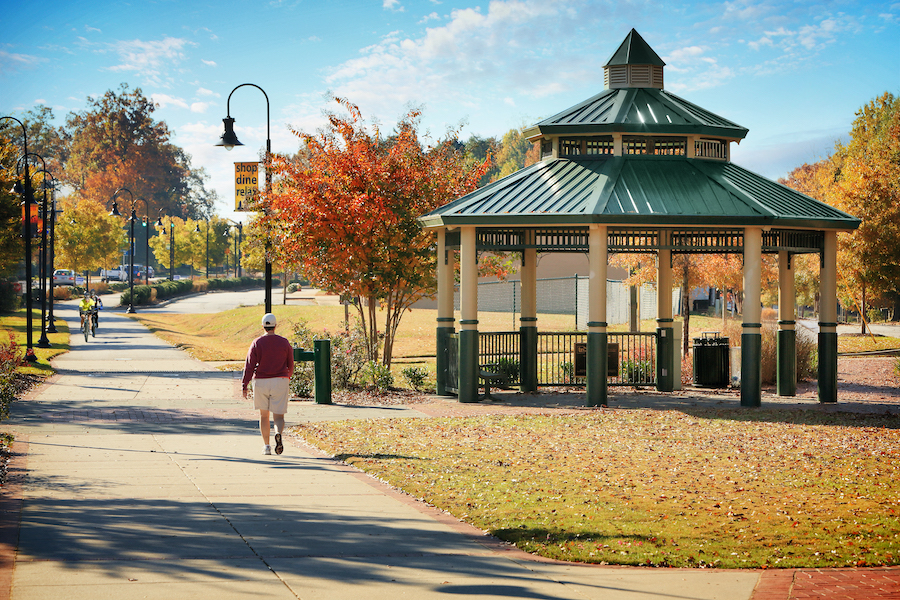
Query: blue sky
793	72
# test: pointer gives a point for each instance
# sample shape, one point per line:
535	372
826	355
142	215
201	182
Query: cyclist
85	306
98	306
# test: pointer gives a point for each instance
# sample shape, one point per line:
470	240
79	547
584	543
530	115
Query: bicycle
88	326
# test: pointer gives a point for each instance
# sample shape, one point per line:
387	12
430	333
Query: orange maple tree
346	209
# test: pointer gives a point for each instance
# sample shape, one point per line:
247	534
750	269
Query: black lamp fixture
229	139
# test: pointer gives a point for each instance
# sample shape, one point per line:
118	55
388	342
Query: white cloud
209	63
205	92
165	101
10	61
471	52
695	70
152	59
393	5
199	107
431	17
90	29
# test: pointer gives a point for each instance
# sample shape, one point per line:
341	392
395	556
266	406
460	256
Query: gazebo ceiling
638	190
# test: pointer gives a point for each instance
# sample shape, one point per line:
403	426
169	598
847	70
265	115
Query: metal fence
562	357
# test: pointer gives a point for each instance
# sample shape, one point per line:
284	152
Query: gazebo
635	169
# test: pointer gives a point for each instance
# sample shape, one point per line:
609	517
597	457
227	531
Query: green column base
468	365
828	359
787	362
528	366
665	351
751	381
597	362
442	362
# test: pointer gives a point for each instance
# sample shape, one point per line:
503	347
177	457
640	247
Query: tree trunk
862	311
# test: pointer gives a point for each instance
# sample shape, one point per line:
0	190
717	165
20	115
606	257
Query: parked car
120	273
64	277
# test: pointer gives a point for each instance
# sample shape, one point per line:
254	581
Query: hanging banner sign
36	222
246	184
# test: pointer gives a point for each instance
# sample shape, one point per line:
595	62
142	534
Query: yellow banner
246	184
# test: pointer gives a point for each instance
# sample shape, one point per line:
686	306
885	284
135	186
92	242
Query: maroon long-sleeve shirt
269	356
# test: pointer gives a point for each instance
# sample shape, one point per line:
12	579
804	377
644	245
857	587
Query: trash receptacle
712	360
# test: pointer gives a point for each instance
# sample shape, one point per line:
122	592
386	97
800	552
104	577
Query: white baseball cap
268	320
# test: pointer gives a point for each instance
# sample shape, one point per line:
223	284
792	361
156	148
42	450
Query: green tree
162	244
515	153
87	237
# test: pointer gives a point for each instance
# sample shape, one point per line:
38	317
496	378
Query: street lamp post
51	322
197	230
132	219
146	225
24	189
238	270
44	342
228	141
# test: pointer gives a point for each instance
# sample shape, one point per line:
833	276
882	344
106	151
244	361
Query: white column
468	279
751	337
597	357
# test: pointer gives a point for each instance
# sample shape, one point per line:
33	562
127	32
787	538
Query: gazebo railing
561	357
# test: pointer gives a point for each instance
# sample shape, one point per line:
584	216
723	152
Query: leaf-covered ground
725	488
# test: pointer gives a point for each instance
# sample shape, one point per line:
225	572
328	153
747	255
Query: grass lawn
16	322
730	488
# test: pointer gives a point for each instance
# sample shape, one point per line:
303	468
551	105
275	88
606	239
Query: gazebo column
528	368
446	323
665	345
597	357
828	346
468	324
751	336
787	334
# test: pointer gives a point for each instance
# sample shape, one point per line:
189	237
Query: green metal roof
634	51
637	110
638	190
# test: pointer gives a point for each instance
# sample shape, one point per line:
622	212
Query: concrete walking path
139	474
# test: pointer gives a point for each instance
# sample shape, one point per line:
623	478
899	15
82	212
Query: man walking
270	363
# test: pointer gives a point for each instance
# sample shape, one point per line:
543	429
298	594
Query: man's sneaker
267	449
279	447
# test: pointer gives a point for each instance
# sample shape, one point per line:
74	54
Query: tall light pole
228	141
147	240
24	189
197	230
51	322
44	342
115	212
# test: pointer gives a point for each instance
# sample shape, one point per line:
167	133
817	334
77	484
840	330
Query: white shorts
271	394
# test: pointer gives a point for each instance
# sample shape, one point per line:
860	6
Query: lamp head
229	139
115	210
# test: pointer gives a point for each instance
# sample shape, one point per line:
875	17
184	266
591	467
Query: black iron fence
562	357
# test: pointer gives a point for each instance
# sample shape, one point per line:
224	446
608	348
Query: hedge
145	294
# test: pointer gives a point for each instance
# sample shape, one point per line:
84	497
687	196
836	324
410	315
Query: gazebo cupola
634	115
633	65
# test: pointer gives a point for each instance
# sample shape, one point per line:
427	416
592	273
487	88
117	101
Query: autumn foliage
345	209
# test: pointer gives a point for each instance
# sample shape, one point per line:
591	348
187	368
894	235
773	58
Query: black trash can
712	360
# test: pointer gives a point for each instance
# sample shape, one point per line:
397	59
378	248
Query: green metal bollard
320	355
322	351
